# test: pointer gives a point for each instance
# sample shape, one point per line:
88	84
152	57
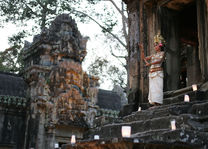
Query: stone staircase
152	125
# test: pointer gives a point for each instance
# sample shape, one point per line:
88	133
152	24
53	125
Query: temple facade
179	123
55	98
183	24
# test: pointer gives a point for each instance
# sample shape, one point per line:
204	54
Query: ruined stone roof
12	85
108	100
62	37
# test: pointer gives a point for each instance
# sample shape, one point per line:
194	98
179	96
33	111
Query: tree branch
124	23
124	18
31	10
123	44
45	7
122	14
118	57
41	4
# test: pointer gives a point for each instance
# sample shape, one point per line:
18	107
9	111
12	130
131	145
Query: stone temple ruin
56	99
183	23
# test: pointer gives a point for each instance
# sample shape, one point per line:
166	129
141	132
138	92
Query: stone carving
58	87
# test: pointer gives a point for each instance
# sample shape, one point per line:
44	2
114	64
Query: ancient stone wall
60	91
12	122
13	111
133	60
202	13
174	20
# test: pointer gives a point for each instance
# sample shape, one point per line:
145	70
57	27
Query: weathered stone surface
202	11
12	128
56	99
182	23
107	100
152	126
120	92
60	91
183	137
13	109
12	85
116	143
100	145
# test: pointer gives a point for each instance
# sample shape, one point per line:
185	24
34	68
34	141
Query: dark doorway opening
178	24
188	43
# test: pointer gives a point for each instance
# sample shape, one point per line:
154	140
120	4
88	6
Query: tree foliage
103	68
11	58
116	37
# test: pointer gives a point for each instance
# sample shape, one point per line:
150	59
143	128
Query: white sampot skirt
156	87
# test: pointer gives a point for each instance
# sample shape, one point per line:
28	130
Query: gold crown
159	39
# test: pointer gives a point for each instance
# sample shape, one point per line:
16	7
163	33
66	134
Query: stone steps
190	137
200	109
179	137
186	90
153	125
158	131
194	107
184	121
178	98
190	116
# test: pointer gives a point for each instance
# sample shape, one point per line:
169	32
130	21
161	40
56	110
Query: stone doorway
189	72
178	23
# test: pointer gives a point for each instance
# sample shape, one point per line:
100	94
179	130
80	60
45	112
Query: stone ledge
165	110
138	143
13	101
188	137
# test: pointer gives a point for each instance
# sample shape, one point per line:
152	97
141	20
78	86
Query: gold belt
156	69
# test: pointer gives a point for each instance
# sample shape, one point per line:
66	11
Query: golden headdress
158	39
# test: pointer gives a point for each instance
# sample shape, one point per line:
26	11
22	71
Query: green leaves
93	1
110	24
17	38
98	66
11	58
105	69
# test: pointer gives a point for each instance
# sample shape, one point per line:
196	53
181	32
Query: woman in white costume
154	61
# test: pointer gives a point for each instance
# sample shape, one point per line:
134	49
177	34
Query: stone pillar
133	61
133	53
38	90
50	138
193	66
202	19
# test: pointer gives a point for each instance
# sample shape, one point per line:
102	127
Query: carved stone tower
58	87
